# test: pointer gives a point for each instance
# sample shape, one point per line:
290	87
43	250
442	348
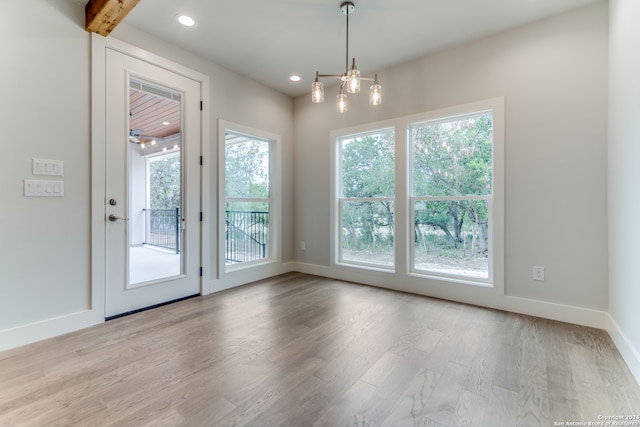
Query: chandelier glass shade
350	80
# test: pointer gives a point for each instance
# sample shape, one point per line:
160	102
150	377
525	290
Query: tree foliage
247	172
164	182
368	171
453	158
368	166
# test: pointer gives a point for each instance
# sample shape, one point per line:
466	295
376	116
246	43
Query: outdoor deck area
150	263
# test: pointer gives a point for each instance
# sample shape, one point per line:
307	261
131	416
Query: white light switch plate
47	167
43	188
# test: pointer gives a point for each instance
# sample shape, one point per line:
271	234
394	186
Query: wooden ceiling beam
102	16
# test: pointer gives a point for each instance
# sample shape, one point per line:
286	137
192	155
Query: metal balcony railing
247	236
162	228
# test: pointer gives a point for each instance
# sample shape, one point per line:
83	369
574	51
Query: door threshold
117	316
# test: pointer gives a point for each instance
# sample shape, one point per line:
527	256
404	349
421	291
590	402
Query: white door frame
99	45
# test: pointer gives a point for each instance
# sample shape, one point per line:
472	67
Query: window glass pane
368	165
367	232
453	157
247	198
246	167
246	231
451	237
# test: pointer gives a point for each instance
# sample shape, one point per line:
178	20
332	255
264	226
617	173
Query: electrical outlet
538	273
302	245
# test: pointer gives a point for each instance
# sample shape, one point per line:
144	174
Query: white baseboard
560	312
543	309
48	328
629	352
244	276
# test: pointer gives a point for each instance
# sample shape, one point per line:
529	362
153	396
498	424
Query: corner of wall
628	351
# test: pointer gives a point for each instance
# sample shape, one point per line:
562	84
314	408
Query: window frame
404	272
341	200
274	199
488	281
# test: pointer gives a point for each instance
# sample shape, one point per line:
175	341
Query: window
248	203
451	200
366	200
420	198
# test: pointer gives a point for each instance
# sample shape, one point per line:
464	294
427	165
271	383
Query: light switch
43	188
47	167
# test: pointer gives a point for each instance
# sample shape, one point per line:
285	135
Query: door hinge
200	271
201	106
200	216
201	160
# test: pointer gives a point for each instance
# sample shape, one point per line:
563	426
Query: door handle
113	217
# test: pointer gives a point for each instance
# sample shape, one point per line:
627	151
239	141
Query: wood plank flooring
300	350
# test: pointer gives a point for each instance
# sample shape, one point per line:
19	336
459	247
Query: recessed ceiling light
166	123
187	21
295	78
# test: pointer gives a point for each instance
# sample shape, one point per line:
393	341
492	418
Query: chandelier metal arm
343	77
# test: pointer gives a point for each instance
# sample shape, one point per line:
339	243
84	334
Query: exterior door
152	203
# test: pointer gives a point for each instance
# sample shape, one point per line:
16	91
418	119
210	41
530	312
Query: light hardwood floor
300	350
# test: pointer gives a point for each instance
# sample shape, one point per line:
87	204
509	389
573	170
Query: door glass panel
155	183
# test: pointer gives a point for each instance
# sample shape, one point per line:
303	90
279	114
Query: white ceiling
268	40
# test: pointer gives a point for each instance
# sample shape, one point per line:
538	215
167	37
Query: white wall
45	271
624	176
553	75
44	78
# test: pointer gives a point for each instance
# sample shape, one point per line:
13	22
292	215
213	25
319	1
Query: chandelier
350	79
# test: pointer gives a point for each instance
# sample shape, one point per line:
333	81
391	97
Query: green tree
368	171
247	172
453	158
164	182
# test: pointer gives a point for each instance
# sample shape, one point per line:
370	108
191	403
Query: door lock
113	202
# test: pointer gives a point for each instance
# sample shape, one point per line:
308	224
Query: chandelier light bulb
342	105
353	79
375	93
317	91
